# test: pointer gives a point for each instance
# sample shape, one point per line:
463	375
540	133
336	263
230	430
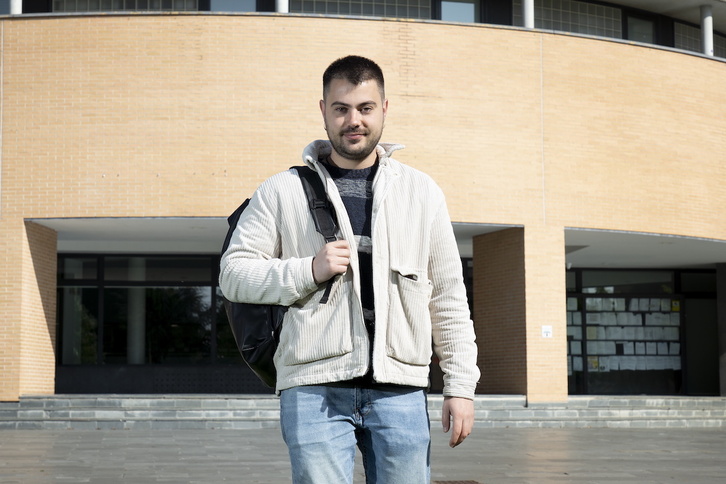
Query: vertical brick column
10	297
500	311
38	311
519	287
546	295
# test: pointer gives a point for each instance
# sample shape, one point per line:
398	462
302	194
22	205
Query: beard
358	151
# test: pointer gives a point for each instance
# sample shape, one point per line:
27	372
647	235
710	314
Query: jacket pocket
409	320
317	331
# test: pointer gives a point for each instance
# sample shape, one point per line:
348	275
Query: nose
353	117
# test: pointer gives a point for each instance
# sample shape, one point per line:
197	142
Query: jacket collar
322	148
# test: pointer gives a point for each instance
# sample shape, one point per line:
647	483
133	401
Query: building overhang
204	235
176	235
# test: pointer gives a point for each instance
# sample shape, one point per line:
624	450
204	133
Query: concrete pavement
489	456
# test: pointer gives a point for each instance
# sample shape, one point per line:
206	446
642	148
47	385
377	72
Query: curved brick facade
184	115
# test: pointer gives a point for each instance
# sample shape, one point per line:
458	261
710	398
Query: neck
341	162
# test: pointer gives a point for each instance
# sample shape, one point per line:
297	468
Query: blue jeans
322	425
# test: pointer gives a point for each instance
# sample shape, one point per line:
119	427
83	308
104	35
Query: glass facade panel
719	45
123	319
624	333
420	9
460	11
641	30
78	319
181	269
571	279
617	282
75	268
144	325
121	5
227	351
687	37
698	282
573	16
233	5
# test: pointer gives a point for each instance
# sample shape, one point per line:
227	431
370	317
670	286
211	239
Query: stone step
258	411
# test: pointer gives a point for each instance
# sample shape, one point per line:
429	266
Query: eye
367	109
341	109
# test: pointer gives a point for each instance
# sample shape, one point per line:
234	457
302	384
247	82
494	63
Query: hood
321	148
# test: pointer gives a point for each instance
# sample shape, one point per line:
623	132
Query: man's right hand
331	260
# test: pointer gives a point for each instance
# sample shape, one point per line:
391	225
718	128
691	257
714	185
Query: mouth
353	135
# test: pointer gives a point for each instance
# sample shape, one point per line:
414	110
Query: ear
322	107
385	108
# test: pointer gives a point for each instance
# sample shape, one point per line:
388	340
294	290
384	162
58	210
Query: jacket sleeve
452	328
253	269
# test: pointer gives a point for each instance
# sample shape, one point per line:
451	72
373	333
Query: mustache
354	131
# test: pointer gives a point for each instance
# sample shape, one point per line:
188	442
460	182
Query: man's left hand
457	415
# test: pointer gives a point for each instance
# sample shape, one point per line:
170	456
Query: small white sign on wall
546	331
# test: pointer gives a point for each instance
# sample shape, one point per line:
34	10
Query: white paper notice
633	306
644	304
576	347
662	348
620	304
628	363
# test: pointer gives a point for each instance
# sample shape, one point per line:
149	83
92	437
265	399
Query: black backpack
256	327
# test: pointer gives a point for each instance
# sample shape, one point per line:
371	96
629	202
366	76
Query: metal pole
707	29
282	6
16	7
528	13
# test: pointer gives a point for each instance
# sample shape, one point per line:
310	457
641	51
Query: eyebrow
364	103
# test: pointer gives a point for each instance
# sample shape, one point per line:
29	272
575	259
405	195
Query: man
354	371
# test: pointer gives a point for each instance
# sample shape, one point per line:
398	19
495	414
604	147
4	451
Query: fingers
332	259
457	415
459	432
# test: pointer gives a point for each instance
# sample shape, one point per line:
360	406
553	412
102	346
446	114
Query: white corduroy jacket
418	286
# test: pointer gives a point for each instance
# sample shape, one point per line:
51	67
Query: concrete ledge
130	412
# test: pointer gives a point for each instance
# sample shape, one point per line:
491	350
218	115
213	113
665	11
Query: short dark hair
354	69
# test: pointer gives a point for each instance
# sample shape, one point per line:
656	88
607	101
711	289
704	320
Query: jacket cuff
305	281
460	389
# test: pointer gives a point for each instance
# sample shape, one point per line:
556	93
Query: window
141	310
624	332
420	9
640	29
124	5
719	45
233	5
573	16
460	11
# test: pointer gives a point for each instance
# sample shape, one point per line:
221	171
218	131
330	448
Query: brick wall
37	311
184	115
500	311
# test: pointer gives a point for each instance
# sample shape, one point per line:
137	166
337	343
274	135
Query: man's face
354	116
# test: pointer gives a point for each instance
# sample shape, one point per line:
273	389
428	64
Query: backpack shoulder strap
232	224
318	202
321	210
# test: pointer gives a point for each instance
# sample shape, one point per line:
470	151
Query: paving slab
489	456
